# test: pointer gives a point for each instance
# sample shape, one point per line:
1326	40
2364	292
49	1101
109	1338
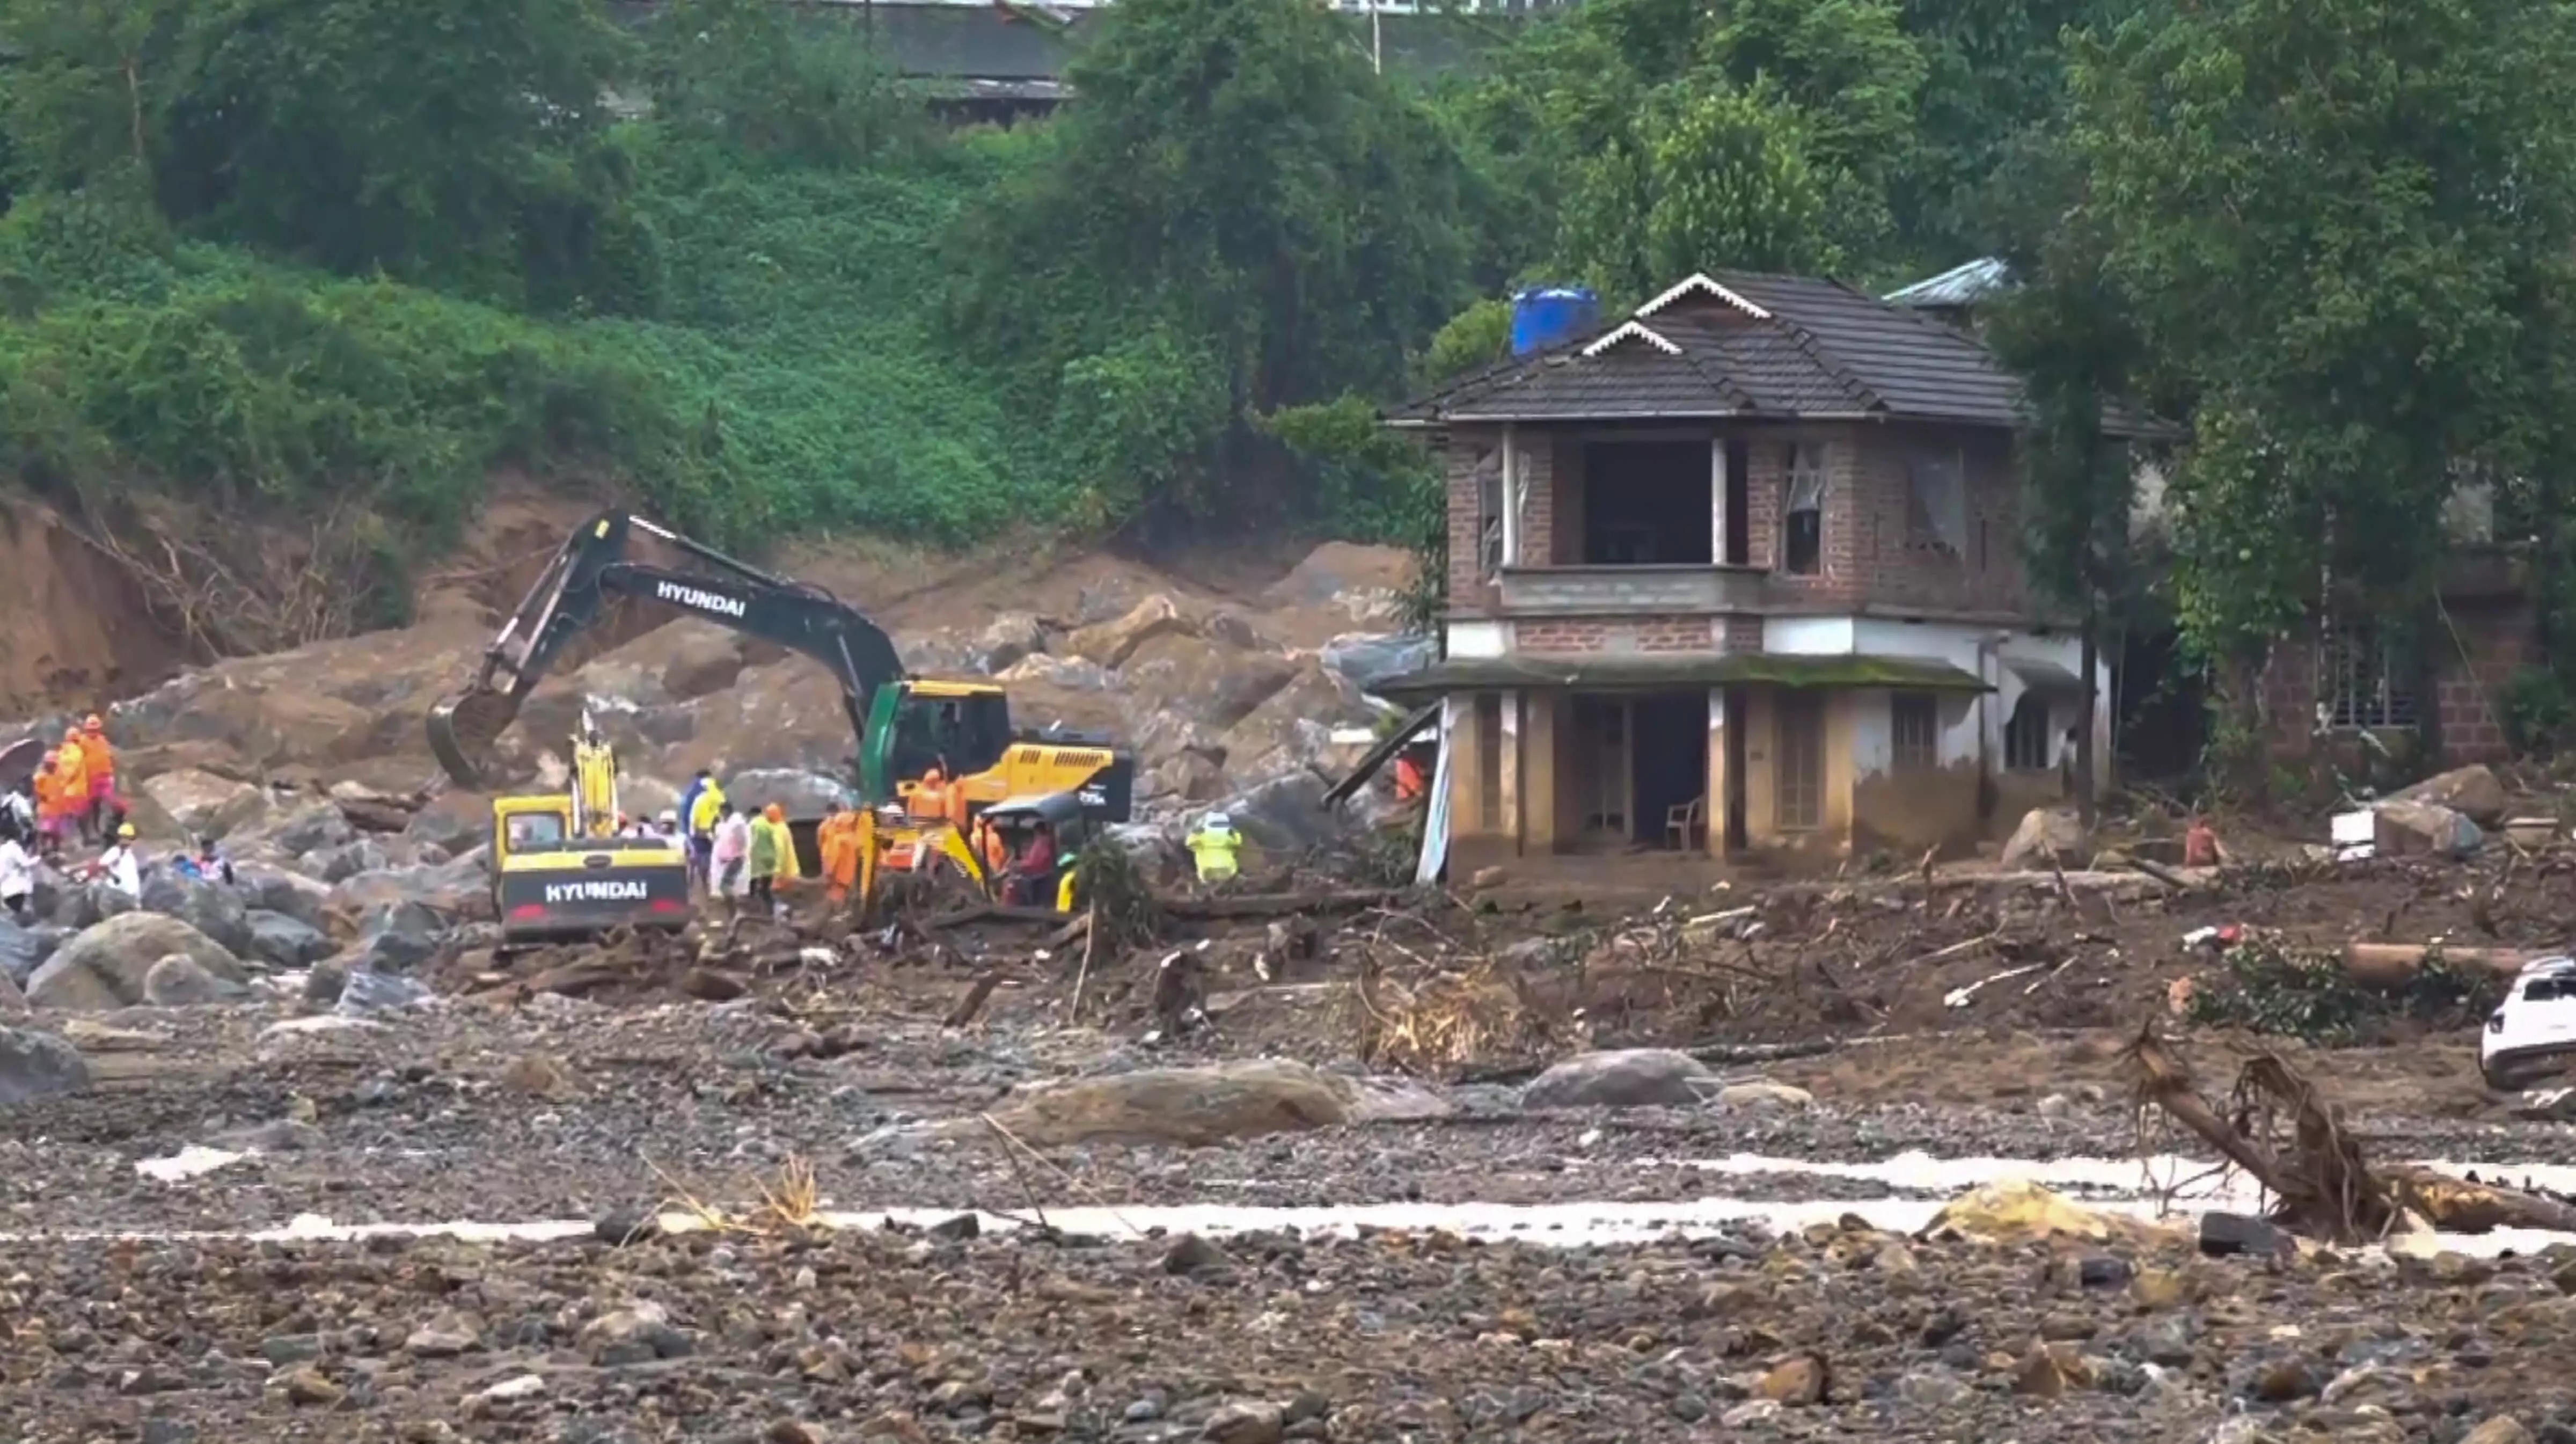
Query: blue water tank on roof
1542	316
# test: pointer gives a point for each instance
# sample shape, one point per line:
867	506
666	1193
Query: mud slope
78	634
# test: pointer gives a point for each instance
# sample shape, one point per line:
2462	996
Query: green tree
746	73
2327	219
462	142
1230	170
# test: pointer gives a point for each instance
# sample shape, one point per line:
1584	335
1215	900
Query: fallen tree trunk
1280	904
2394	965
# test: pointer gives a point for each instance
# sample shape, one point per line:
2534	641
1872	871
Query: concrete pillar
1717	499
1467	746
1543	752
1510	824
1717	763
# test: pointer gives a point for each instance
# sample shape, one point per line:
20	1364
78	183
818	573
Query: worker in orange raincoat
929	796
71	782
51	818
101	759
838	840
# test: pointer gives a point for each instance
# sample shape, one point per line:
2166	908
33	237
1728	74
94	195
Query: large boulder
802	793
398	937
2046	833
1198	1106
1365	659
24	948
37	1065
1621	1078
339	864
210	908
2473	792
201	804
453	820
178	982
268	888
1111	643
1006	639
1071	674
303	827
1285	814
287	942
1212	682
2421	829
105	967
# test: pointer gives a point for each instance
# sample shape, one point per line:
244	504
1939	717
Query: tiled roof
1742	345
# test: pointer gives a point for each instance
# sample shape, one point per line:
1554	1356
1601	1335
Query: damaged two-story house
1741	575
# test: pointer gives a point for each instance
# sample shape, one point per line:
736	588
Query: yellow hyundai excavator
561	870
903	725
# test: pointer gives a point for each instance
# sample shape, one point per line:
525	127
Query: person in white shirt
17	877
119	867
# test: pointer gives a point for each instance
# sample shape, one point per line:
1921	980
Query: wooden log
1272	905
2394	965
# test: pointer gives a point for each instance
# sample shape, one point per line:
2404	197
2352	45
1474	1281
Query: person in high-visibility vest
1216	847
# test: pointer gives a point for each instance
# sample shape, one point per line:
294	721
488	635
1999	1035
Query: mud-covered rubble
1834	1332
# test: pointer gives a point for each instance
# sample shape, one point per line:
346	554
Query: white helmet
1217	822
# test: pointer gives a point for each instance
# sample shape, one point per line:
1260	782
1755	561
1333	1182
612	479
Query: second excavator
904	726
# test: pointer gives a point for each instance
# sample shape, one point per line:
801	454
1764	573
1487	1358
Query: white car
2532	1034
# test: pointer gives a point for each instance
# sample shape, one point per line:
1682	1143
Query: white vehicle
2532	1034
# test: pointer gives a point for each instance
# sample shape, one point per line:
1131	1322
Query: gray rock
803	794
1626	1078
367	992
2472	791
178	982
24	949
1009	637
37	1065
339	864
105	967
397	937
2045	832
285	942
305	827
2415	829
328	980
281	890
210	908
1366	658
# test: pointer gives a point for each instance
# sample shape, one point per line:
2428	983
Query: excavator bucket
462	730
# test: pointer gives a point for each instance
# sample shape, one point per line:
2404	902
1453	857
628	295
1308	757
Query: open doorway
1646	503
1670	757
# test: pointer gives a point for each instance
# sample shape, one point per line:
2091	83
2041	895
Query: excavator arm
593	567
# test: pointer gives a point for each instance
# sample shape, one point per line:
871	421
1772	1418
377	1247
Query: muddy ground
507	1104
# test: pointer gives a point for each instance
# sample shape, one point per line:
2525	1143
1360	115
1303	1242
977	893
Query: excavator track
463	729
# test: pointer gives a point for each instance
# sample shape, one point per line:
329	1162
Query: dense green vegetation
275	251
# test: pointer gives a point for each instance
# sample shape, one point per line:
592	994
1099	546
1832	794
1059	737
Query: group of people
733	853
71	797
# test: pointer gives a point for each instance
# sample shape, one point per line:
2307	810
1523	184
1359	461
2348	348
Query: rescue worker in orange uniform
101	759
929	796
989	846
71	782
838	839
51	820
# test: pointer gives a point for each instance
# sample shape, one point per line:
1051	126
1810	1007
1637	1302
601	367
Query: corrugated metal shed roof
1963	285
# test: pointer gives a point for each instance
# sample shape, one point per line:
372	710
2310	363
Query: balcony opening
1802	549
1646	503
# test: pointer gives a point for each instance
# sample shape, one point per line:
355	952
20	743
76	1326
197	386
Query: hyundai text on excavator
904	726
559	869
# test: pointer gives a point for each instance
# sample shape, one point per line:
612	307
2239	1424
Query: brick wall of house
1645	634
1895	566
2498	640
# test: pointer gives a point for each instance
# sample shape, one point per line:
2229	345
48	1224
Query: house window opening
1645	503
1803	520
2364	678
1798	790
1489	514
2026	735
1489	762
1914	726
1936	502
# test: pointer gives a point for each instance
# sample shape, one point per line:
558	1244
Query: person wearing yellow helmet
118	867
